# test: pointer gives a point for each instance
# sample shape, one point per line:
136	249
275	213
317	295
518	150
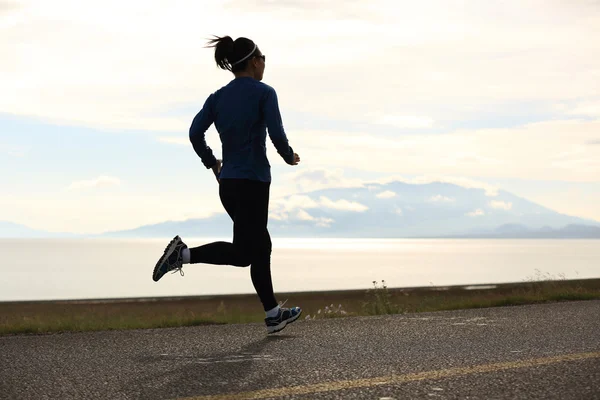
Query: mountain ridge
396	209
391	210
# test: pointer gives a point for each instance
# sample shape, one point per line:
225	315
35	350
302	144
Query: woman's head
242	56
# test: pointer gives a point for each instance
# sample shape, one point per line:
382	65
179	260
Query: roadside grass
93	315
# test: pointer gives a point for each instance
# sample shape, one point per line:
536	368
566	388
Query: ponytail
223	51
228	52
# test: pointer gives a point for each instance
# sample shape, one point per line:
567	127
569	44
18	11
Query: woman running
242	111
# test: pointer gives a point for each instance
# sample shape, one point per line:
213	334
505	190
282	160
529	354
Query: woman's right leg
247	204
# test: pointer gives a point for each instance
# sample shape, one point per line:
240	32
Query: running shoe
286	316
171	260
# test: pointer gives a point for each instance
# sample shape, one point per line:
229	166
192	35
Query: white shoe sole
283	324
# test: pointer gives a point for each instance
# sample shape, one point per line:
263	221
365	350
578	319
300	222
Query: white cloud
441	199
175	140
321	221
398	211
487	153
589	109
388	194
325	222
101	181
342	205
304	216
14	151
336	179
96	211
477	213
454	61
296	201
405	121
315	178
294	208
456	66
278	215
501	205
490	190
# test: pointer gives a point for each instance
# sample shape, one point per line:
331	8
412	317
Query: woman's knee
244	259
254	255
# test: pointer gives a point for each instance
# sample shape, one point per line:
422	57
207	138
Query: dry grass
54	316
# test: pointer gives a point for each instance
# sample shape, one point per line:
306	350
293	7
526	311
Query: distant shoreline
340	293
54	316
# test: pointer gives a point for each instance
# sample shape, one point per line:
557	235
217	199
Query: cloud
175	140
405	121
467	183
301	215
486	153
490	190
317	178
294	208
342	205
450	63
14	151
398	211
336	178
477	213
500	205
97	211
588	109
7	6
304	216
278	215
441	199
592	142
101	181
295	202
322	221
304	9
388	194
325	222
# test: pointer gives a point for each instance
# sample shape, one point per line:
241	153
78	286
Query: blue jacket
242	111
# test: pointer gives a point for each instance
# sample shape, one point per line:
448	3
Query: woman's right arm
275	128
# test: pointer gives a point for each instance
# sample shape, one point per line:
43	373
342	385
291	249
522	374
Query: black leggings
247	203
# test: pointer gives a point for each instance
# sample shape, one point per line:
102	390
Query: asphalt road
531	352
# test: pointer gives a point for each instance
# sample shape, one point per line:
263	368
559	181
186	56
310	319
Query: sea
77	269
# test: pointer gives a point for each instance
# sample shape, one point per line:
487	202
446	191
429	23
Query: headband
243	59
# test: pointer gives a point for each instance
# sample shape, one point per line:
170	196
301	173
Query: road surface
549	351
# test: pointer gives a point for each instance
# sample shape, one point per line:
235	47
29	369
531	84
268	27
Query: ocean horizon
65	269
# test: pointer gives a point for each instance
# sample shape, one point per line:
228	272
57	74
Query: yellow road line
395	379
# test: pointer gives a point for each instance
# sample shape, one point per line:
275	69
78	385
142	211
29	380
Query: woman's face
258	62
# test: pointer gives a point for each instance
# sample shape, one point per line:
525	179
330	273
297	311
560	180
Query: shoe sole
168	251
283	324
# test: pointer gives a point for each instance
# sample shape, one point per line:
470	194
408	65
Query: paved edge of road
396	379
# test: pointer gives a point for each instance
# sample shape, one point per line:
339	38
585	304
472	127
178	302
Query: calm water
106	268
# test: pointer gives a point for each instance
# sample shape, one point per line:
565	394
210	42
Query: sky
96	100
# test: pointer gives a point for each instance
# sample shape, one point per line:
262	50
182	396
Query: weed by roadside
328	312
379	301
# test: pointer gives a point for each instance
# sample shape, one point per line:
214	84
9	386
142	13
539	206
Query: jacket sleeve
275	126
202	121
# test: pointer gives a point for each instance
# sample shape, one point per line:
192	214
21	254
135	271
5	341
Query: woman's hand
296	159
